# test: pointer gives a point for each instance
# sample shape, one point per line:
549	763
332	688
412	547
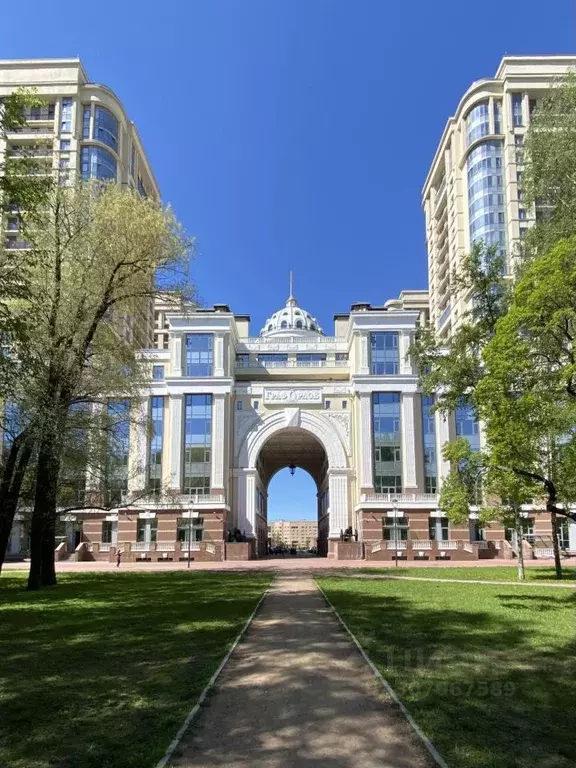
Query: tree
549	179
100	254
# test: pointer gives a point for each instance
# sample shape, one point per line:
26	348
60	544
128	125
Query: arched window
298	323
312	327
296	311
270	327
283	324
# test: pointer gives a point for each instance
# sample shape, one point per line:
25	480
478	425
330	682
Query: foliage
472	572
549	180
104	671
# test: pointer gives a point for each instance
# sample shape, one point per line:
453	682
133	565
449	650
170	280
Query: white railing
404	498
266	341
396	545
165	546
291	363
547	552
211	548
209	498
481	544
90	547
377	547
193	546
104	548
424	544
447	545
140	546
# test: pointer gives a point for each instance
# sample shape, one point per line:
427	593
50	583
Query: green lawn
488	671
100	671
487	573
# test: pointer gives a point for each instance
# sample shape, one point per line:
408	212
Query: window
256	404
523	232
273	360
86	117
477	123
118	431
199	354
327	405
190	529
485	203
147	530
133	160
298	323
283	324
467	425
517	109
311	359
66	116
518	140
157	372
395	528
156	443
344	404
384	353
429	441
97	163
341	357
65	145
239	405
197	444
106	127
522	214
243	360
109	532
497	116
563	533
439	528
387	442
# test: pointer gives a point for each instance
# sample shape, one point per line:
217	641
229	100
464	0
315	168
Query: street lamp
395	526
292	468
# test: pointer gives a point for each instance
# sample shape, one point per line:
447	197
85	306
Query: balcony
291	364
391	499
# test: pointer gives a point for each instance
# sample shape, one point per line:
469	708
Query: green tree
100	254
549	179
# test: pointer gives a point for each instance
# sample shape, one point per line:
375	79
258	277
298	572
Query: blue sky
294	134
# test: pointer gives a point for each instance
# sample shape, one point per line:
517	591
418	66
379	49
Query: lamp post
190	531
395	526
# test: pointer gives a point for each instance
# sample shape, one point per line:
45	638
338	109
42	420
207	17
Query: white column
365	444
572	535
338	502
364	356
405	341
219	354
442	437
176	403
250	529
218	416
176	341
408	443
138	459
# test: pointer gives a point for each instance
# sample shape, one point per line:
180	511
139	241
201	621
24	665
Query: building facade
227	410
473	190
299	534
81	130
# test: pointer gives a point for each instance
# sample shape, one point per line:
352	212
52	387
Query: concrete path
297	694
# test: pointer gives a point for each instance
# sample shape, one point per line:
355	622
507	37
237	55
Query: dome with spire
292	320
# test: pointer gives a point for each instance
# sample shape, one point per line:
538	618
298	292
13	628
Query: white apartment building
300	534
473	190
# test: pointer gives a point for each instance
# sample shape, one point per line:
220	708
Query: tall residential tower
473	190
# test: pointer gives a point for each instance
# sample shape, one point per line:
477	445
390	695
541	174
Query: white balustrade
377	547
481	544
103	548
447	545
140	546
544	552
403	498
211	548
193	546
424	544
165	546
396	545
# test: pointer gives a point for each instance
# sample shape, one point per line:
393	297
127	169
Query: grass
487	573
100	671
487	671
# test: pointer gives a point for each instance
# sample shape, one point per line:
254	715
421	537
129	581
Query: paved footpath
297	694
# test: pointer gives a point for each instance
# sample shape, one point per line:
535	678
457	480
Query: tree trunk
519	543
12	479
556	545
42	537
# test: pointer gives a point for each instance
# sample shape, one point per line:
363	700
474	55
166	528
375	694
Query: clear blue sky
294	134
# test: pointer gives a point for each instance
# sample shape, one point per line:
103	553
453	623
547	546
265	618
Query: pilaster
442	437
338	502
364	355
176	420
138	456
177	342
365	444
405	364
408	443
218	354
218	417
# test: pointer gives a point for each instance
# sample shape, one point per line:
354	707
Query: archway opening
292	455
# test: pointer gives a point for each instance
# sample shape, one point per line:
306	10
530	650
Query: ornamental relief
342	423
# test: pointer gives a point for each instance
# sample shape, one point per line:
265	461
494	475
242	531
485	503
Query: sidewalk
297	694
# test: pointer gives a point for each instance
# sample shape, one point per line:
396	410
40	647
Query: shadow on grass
101	670
489	674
